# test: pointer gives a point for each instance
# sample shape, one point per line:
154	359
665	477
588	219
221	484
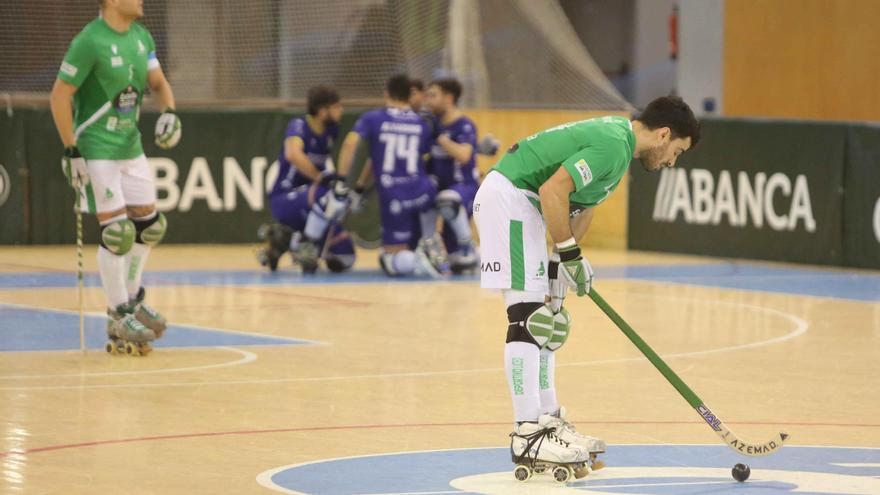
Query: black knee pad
516	316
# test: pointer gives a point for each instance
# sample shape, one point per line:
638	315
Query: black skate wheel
110	347
522	473
562	474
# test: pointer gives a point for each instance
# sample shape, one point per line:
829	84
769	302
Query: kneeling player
305	176
398	138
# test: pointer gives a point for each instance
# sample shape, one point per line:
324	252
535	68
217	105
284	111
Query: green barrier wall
775	190
212	186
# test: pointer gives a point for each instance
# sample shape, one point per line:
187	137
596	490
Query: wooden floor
360	365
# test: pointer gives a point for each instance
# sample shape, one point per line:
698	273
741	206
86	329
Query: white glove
356	198
74	167
168	130
574	269
558	286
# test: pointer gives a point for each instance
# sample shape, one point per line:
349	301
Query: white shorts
117	183
513	236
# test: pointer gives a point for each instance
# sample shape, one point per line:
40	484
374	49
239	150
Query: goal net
507	53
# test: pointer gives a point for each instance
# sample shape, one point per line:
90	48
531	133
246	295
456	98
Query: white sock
547	382
134	268
428	222
112	269
461	226
521	361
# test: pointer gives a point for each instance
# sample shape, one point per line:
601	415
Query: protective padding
118	237
561	329
153	233
540	325
448	203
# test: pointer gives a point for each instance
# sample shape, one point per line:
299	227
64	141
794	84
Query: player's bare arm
581	223
347	152
161	89
555	205
62	110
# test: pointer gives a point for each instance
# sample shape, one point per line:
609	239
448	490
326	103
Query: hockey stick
79	272
732	441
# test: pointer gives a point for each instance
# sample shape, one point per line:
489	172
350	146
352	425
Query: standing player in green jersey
551	181
96	104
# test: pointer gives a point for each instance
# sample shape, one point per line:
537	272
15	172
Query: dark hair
398	87
416	84
674	113
449	86
320	97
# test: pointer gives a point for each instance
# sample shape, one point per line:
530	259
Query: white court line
801	327
247	357
182	325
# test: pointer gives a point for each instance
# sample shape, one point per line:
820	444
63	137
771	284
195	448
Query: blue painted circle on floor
631	470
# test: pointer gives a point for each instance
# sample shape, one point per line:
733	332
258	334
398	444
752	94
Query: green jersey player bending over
551	181
96	104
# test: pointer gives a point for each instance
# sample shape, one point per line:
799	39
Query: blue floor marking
855	285
428	472
30	329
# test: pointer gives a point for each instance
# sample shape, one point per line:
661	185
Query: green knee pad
154	233
540	325
561	329
118	237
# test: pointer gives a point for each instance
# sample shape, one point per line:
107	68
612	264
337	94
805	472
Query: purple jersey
447	170
316	146
398	138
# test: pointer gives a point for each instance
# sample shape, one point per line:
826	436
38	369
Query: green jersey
109	69
595	152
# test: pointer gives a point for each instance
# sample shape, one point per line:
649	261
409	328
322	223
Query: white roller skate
567	432
126	334
536	448
147	315
431	256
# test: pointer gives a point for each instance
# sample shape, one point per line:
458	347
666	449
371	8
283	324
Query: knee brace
561	329
151	231
118	236
530	322
448	203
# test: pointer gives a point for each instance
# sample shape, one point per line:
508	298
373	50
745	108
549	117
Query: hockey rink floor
357	384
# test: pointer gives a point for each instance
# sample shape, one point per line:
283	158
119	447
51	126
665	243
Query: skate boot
306	255
536	448
567	432
431	257
277	238
126	334
465	260
147	315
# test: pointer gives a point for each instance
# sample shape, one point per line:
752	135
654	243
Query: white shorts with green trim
513	237
113	184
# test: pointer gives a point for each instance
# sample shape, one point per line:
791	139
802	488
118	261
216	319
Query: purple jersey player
397	139
453	164
304	184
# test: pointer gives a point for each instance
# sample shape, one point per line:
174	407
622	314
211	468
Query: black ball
740	472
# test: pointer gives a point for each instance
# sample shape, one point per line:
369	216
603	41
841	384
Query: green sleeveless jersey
595	152
109	69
